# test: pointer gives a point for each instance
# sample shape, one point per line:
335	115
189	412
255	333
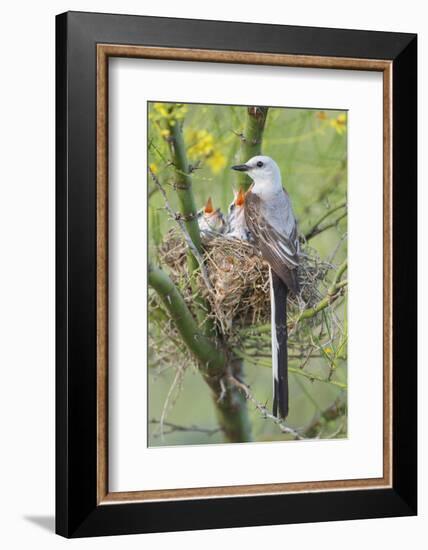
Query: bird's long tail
278	300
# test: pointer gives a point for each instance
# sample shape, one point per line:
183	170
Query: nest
240	280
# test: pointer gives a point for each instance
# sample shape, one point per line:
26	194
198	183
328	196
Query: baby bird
211	222
236	218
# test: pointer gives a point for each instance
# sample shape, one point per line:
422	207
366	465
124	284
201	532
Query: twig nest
240	279
241	282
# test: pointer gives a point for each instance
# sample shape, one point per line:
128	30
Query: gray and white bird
237	225
211	222
270	219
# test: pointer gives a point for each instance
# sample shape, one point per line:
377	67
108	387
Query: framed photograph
236	274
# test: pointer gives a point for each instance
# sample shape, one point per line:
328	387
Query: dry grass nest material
240	279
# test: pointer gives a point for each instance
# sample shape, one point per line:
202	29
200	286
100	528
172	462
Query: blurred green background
310	147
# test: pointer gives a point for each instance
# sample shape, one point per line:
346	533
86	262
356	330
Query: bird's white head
265	173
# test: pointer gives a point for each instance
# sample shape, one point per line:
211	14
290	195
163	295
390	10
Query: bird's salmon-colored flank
240	197
208	208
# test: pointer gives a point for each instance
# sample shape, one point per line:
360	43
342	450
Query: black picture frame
77	511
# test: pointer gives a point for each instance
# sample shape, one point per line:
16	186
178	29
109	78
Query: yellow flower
201	143
339	123
154	168
216	161
180	110
171	111
160	109
328	350
321	115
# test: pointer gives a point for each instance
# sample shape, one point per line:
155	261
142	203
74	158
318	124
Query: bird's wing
279	249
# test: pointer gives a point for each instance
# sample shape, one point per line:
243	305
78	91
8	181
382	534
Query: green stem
183	180
312	377
332	295
251	141
342	268
231	405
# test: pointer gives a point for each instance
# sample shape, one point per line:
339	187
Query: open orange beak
240	197
208	208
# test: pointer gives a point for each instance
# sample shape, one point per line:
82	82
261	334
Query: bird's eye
260	164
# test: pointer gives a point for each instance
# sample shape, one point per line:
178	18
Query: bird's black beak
241	167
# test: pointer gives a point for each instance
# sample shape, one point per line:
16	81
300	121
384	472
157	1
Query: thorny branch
178	428
317	228
251	139
332	294
261	408
260	362
186	235
331	413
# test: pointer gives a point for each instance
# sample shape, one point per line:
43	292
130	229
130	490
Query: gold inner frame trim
104	51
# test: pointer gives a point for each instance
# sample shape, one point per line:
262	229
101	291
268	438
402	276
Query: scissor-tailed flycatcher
237	226
211	222
272	224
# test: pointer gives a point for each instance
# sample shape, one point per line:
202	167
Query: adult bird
211	222
237	226
270	219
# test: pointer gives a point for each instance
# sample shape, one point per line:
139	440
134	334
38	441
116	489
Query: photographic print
247	232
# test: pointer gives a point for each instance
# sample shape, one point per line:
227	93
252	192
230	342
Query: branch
260	362
179	428
316	229
261	408
251	139
183	181
210	357
332	413
332	181
332	294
